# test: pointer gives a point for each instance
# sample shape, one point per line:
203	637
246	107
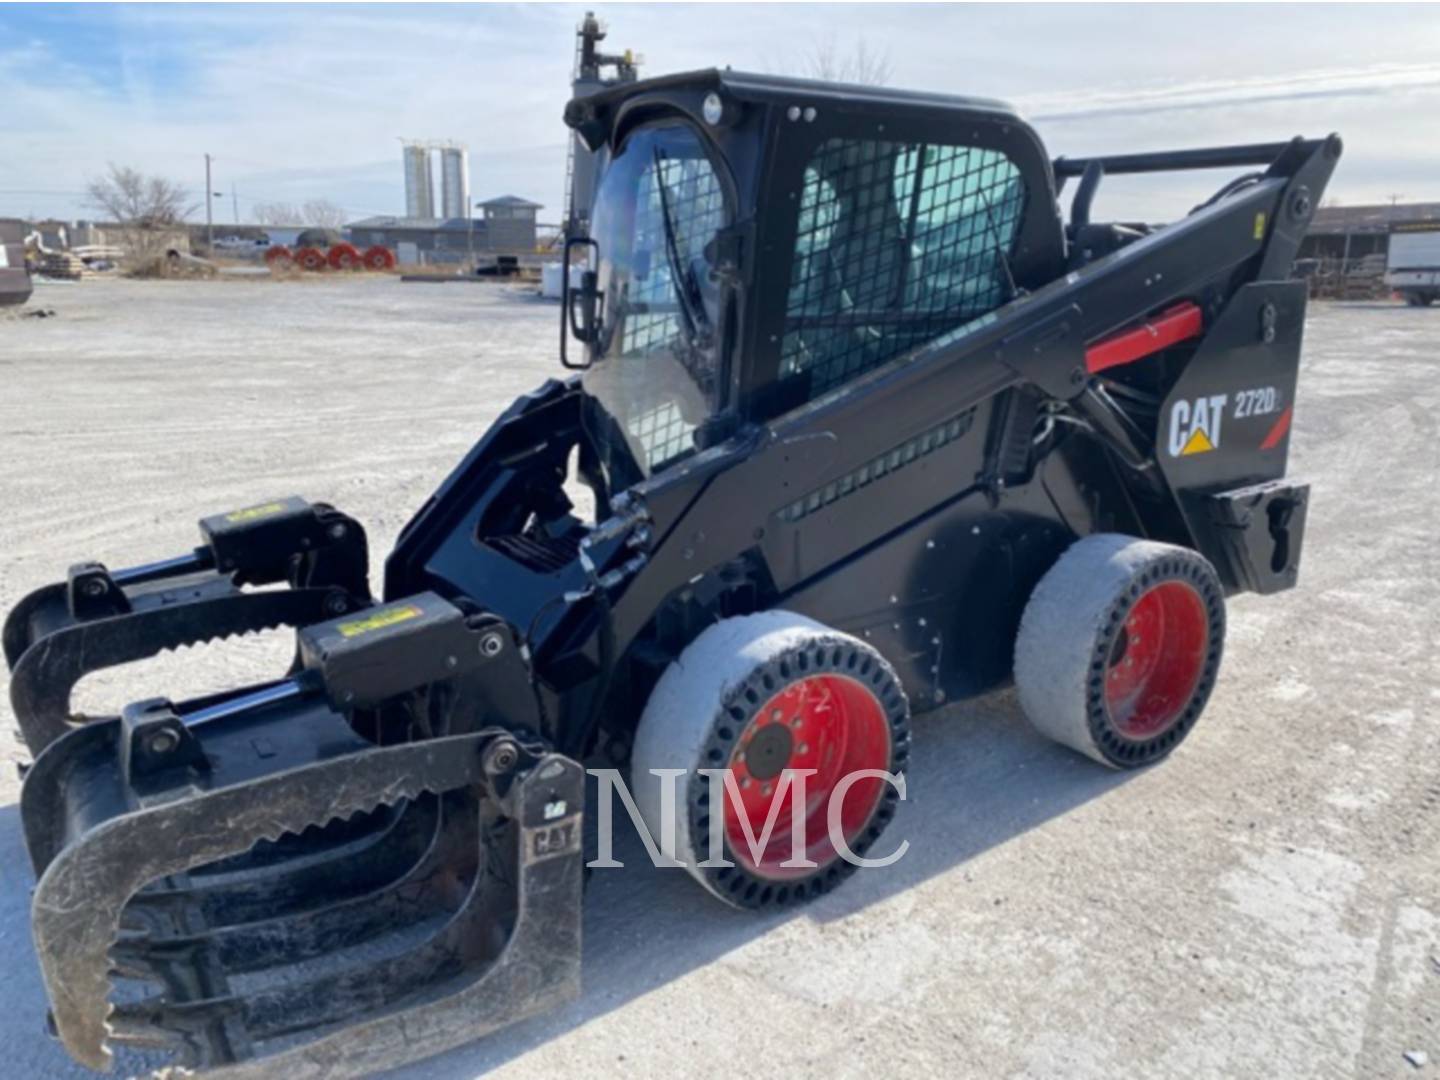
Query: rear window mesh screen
897	243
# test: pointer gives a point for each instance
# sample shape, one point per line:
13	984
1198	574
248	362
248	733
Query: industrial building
506	225
1343	256
1350	233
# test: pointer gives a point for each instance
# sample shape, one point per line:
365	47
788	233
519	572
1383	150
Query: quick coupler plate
262	891
99	618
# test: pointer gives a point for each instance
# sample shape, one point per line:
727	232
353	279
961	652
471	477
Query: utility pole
234	204
209	210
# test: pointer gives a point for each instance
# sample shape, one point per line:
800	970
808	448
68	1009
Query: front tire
1119	648
756	695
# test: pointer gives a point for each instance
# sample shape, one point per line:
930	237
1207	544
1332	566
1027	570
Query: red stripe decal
1278	432
1179	323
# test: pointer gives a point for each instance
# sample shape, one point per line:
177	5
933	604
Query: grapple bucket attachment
99	618
251	886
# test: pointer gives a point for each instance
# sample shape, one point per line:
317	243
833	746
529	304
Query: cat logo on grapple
1195	425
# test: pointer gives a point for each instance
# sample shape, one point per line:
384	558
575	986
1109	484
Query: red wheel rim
830	723
1156	661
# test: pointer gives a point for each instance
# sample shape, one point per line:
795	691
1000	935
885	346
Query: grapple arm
262	873
99	618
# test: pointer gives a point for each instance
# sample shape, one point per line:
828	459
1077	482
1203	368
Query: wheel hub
1156	660
830	726
769	751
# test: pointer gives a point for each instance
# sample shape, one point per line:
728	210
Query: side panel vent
543	554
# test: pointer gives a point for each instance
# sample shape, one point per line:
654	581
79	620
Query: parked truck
1412	267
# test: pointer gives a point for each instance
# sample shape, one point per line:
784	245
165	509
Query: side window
658	208
897	243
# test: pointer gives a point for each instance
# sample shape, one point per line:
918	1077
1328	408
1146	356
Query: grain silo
454	181
419	183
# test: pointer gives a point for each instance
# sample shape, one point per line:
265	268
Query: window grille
897	244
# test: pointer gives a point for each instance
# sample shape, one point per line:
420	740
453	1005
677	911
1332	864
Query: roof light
713	109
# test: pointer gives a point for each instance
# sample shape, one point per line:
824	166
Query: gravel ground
1266	903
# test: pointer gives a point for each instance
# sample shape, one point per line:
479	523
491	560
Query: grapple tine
48	671
98	618
422	892
329	876
484	954
37	615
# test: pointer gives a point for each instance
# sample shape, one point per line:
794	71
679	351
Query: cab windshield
657	210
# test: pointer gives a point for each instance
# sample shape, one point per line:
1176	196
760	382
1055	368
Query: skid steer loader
869	427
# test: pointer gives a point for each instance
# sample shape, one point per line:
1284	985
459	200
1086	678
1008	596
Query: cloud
309	102
1375	82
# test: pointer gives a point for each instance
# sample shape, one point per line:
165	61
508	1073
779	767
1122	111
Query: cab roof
593	116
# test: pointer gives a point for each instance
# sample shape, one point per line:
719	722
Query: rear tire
1119	648
757	694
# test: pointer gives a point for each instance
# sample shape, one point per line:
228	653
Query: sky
301	102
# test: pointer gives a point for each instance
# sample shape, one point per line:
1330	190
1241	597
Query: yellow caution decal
1260	225
379	620
253	512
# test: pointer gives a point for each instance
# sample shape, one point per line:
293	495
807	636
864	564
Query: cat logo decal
1195	425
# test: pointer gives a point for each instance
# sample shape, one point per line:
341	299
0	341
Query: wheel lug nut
802	748
765	790
744	781
776	715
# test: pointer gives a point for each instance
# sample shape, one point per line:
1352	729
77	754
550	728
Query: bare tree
321	213
148	210
324	214
278	213
861	65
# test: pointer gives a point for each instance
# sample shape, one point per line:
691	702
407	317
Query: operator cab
759	243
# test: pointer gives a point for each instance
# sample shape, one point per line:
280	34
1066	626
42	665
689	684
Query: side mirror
585	328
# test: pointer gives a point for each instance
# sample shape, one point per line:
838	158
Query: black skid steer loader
869	425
